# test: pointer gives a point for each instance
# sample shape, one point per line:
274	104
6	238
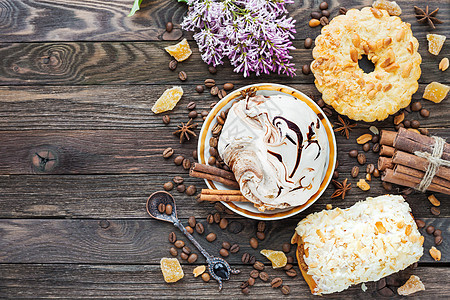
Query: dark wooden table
78	79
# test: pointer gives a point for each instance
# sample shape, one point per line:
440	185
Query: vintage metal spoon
219	269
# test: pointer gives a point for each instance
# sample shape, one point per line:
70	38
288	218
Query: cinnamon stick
221	192
385	163
226	198
409	141
387	137
402	179
418	163
387	150
213	177
213	170
419	175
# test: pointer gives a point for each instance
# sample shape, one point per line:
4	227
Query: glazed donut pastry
388	43
366	242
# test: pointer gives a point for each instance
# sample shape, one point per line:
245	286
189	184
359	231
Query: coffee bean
168	186
424	113
308	43
184	256
394	280
221	94
416	106
178	160
407	123
324	21
212	70
192	258
186	164
166	119
182	76
168	152
199	228
235	227
245	291
353	153
251	281
376	148
291	273
420	223
437	232
261	227
224	252
430	229
321	103
375	139
290	259
234	248
361	158
226	245
386	292
173	64
245	258
252	259
342	11
415	124
213	104
169	209
286	247
189	229
435	211
263	276
217	218
253	243
326	13
223	223
191	105
169	26
192	221
376	173
191	190
323	5
173	251
186	250
328	112
211	237
179	244
316	15
254	274
213	142
424	131
355	171
172	237
306	69
381	284
206	277
214	91
260	235
276	282
258	266
387	186
286	290
366	147
210	219
161	208
181	188
228	86
288	267
438	240
210	83
370	168
335	174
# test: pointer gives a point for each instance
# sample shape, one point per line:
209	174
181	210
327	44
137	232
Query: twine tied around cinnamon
435	161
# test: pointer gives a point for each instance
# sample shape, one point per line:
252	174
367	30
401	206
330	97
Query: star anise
341	188
185	131
344	127
426	17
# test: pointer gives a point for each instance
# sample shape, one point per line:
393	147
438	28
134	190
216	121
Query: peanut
411	47
400	34
372	45
392	67
407	70
199	271
433	200
379	86
356	40
372	94
386	63
387	87
366	49
408	229
370	86
354	54
387	41
377	13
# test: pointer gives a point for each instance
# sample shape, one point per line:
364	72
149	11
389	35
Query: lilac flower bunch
255	35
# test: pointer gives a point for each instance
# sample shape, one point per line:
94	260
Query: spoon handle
191	238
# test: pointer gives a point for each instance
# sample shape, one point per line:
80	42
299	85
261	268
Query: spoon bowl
155	200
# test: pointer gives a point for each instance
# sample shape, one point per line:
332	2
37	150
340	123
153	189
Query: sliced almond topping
377	13
354	54
433	200
407	70
379	76
400	34
392	67
372	94
372	45
380	44
435	253
380	227
356	40
411	47
370	86
364	138
379	86
366	48
443	65
386	63
341	88
399	118
387	41
408	229
387	87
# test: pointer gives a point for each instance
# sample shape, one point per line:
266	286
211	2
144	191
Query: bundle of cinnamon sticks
401	166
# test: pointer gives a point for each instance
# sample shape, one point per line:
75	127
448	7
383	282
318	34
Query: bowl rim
332	156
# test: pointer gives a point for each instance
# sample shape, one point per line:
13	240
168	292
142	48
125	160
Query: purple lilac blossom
255	35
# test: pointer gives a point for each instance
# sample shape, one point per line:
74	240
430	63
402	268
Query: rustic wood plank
124	196
116	107
36	21
68	63
26	281
145	241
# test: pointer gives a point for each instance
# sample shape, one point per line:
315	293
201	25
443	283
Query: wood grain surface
77	81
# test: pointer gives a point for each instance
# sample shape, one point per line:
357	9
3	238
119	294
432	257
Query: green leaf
135	8
184	1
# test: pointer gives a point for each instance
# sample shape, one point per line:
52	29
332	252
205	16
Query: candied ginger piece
180	51
413	285
278	258
391	7
171	269
436	92
168	100
435	253
363	185
435	43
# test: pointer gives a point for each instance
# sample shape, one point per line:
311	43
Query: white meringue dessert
277	148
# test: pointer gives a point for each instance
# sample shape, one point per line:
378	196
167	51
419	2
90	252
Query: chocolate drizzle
292	126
